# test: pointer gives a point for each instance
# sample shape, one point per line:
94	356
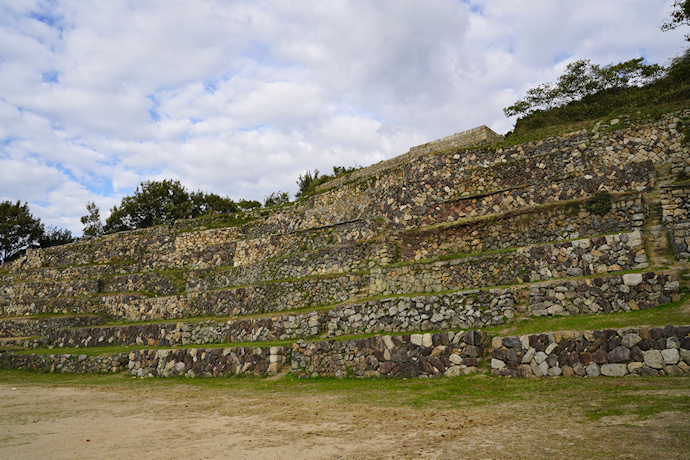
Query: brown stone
585	358
600	357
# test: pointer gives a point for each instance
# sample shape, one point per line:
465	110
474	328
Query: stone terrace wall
419	355
328	261
251	251
424	192
429	209
469	309
212	362
27	327
587	256
614	353
389	196
631	291
63	305
68	363
18	292
675	205
476	136
523	228
286	295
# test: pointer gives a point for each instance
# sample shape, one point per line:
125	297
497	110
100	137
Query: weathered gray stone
497	364
593	370
614	370
540	357
555	371
630	340
671	356
673	370
619	354
635	366
529	356
653	359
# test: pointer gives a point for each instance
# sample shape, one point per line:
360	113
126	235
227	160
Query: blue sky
239	98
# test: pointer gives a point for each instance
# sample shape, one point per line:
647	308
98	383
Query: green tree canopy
248	205
161	202
276	199
679	16
19	229
92	221
204	203
54	236
582	79
153	203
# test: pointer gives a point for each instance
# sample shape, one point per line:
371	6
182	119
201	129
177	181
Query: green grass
584	399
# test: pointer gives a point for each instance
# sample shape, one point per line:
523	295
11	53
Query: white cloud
241	97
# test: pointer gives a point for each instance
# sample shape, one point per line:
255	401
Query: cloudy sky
239	97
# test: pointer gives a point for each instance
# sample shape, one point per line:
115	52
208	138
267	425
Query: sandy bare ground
171	421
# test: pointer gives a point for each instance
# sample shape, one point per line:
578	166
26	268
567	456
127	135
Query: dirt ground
40	421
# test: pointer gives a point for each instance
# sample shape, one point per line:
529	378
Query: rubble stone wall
29	327
631	291
598	255
612	353
212	362
468	309
526	227
675	205
417	355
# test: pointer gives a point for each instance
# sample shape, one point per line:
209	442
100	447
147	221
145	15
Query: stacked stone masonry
211	362
630	291
468	309
612	353
437	225
524	228
418	355
477	136
65	363
675	205
588	256
29	327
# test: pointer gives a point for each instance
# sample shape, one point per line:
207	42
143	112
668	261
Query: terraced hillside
397	271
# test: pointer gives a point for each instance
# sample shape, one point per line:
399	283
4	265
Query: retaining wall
468	309
212	362
28	327
525	227
675	205
65	363
631	291
418	355
613	353
587	256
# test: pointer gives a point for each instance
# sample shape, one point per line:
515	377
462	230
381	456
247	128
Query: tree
276	199
582	79
92	221
153	203
248	205
679	16
54	236
305	183
206	203
19	230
